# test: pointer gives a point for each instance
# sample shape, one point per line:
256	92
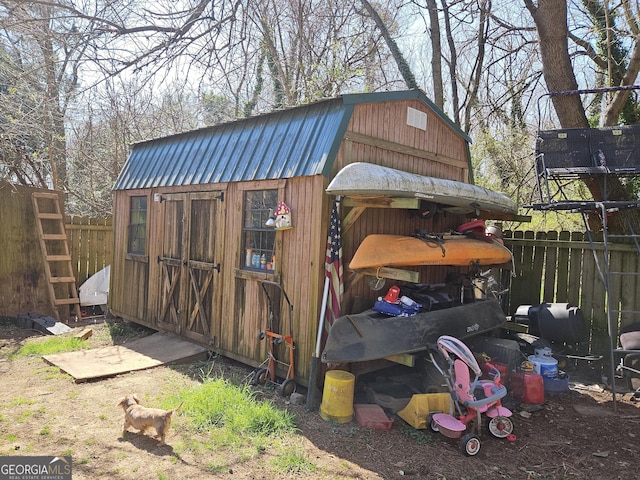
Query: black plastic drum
557	322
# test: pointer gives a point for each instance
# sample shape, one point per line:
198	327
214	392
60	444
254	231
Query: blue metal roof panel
299	141
294	142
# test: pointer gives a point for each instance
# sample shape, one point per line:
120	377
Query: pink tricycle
470	398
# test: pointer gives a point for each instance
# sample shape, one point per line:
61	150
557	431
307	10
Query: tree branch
590	52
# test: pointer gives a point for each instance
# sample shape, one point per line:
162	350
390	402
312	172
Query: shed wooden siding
437	152
243	307
376	133
379	133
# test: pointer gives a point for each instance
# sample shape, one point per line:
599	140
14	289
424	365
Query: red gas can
527	387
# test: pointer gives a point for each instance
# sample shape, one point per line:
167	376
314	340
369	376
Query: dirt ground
575	435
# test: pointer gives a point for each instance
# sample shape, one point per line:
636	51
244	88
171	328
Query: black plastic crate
501	350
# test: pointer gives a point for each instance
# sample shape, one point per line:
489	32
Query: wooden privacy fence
91	245
560	267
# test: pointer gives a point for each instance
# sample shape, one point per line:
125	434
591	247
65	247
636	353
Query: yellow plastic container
421	406
337	396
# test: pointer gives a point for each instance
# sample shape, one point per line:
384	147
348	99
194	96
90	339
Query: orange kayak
404	251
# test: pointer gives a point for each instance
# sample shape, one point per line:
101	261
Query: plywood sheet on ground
147	352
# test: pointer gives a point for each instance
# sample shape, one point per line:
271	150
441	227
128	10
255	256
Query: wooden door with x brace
193	230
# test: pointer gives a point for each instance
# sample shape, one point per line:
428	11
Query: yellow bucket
337	396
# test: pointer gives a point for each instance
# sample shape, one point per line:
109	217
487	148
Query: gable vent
416	118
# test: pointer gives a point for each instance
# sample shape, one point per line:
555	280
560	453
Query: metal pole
316	355
612	332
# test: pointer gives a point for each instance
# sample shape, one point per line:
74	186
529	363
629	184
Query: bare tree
402	64
316	48
42	52
436	53
550	18
108	120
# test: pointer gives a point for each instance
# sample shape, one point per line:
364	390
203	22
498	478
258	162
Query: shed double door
192	236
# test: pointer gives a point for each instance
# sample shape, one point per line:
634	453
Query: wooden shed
188	207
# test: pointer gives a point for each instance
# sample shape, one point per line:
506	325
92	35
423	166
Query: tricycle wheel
470	444
433	426
287	387
260	376
500	427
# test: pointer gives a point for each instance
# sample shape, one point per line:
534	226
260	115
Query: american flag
333	266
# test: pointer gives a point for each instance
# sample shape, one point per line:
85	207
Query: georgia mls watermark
35	468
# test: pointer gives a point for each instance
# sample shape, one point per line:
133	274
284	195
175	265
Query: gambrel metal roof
299	141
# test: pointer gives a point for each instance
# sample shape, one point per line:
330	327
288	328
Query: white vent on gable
416	118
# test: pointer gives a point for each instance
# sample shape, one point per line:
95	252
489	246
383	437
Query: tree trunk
403	66
453	63
474	86
436	54
550	17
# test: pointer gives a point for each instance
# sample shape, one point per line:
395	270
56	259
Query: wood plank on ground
148	352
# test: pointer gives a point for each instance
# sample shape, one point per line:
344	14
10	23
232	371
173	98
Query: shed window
138	225
258	240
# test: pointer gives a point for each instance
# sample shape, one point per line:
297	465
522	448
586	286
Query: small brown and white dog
143	418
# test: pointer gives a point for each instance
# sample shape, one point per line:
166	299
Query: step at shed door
190	290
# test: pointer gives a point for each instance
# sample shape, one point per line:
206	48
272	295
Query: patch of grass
50	373
11	437
419	436
49	346
24	416
293	462
218	404
18	401
45	431
126	329
215	468
221	415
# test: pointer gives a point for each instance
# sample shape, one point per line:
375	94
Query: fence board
537	271
575	270
589	281
551	258
518	290
562	269
628	292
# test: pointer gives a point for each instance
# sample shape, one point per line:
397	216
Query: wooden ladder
55	252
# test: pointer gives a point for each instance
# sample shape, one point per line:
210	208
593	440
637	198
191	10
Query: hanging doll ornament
283	216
